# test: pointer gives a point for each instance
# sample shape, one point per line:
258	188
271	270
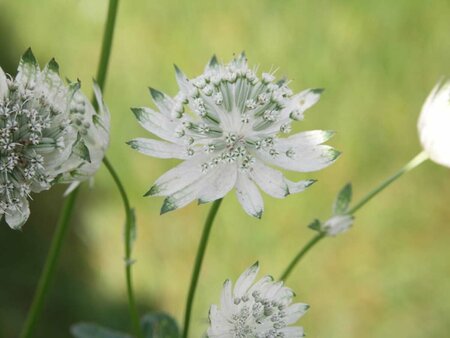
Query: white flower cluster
261	310
49	132
226	125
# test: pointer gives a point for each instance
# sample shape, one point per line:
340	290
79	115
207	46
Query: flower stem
61	228
414	163
49	267
313	241
107	43
198	264
129	225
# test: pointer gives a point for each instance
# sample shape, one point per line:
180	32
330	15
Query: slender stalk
129	224
414	163
300	254
61	229
107	43
50	265
198	264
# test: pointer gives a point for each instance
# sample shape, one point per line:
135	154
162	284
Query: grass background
387	277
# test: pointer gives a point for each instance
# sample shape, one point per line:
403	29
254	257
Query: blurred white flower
337	224
225	125
261	310
42	137
434	124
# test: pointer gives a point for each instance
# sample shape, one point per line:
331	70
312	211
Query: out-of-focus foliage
386	277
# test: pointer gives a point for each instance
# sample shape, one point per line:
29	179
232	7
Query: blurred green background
388	277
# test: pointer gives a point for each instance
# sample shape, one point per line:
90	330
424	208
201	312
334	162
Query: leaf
92	330
80	149
159	325
343	200
315	225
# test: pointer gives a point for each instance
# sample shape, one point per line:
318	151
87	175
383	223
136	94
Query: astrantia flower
44	135
261	310
434	124
226	125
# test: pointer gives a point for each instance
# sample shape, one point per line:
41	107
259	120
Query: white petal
183	82
295	311
269	180
16	218
219	184
226	298
245	280
3	85
163	102
303	159
434	124
157	123
186	195
249	196
28	69
296	187
159	149
309	138
177	178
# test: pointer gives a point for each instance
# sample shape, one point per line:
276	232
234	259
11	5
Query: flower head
42	136
259	310
227	126
337	224
434	124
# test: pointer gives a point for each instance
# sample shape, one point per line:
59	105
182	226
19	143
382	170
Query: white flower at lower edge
255	310
44	135
337	224
434	124
226	125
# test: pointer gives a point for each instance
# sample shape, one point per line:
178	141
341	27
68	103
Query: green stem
107	43
129	224
50	265
55	249
198	264
414	163
300	255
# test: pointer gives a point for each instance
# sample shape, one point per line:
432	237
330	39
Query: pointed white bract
228	125
255	310
49	132
434	124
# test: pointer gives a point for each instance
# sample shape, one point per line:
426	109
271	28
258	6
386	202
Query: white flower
225	125
337	224
42	137
434	124
261	310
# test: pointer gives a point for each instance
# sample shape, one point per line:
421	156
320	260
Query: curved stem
129	226
107	43
300	254
50	265
198	264
414	163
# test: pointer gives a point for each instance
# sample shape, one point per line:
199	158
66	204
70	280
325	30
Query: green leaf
343	200
81	149
159	325
315	225
91	330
